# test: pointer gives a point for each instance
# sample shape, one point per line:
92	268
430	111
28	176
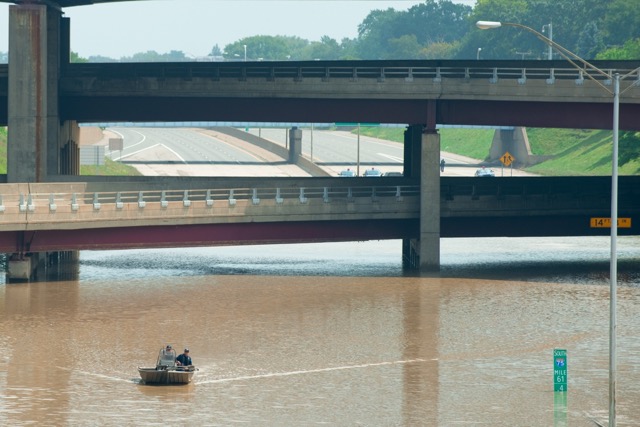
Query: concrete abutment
38	143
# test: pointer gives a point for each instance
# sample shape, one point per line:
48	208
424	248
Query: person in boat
184	359
167	357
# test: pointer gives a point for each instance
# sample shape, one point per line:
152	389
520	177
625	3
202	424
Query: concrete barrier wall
70	206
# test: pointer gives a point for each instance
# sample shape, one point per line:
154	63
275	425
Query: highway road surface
208	152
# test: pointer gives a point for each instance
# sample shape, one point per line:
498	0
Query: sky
195	26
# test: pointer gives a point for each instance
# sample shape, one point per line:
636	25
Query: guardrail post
141	202
580	79
185	199
96	202
208	198
409	78
52	203
399	197
232	200
302	197
279	199
552	77
494	79
74	202
119	203
254	198
21	204
523	77
163	199
1	205
30	205
349	195
325	195
438	77
374	196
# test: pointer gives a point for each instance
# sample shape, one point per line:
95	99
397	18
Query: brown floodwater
320	349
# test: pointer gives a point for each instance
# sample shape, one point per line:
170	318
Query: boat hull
166	376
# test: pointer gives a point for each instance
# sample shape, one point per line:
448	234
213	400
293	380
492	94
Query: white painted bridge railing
71	206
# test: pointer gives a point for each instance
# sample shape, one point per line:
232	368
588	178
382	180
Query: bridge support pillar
424	253
295	144
412	147
37	144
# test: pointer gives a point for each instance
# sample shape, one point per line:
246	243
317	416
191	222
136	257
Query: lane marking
394	158
149	148
313	371
144	137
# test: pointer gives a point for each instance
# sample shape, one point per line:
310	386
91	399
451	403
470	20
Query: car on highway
347	173
484	172
372	172
393	174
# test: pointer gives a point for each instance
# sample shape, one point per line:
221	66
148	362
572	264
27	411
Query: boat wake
312	371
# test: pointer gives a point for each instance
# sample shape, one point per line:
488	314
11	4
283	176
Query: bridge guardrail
48	206
380	70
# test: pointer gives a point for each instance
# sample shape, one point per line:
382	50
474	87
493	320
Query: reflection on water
562	260
326	334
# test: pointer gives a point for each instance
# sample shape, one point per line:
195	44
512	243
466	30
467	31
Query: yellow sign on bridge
606	222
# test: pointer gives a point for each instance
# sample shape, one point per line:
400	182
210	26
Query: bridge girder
63	3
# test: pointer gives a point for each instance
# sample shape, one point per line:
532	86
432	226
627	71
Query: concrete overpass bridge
47	97
130	213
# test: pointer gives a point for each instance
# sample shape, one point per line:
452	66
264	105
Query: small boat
166	370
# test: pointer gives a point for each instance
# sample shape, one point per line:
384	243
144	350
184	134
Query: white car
484	172
372	172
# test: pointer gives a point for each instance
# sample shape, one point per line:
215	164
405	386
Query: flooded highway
326	334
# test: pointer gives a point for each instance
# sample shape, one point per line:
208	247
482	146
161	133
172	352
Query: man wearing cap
184	359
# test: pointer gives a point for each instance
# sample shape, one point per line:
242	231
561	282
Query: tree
75	58
622	21
216	51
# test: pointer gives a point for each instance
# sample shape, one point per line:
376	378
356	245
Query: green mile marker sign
559	370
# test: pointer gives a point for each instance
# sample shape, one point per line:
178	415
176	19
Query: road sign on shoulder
606	222
507	159
559	370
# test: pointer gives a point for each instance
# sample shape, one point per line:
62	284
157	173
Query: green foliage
630	50
391	34
575	152
110	168
442	29
75	58
153	56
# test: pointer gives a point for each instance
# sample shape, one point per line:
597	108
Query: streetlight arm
571	57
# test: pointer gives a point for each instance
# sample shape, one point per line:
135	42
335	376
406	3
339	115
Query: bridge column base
43	266
420	255
22	267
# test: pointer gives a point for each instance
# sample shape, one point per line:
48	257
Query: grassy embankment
576	152
109	168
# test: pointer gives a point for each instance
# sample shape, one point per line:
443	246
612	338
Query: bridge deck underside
301	232
449	112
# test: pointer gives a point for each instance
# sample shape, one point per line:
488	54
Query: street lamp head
487	25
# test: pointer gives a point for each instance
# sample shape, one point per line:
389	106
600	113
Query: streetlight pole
245	52
478	54
550	27
575	60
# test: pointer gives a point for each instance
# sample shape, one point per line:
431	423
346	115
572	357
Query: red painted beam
206	235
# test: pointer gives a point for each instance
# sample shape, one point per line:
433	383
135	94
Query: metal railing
379	70
50	209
